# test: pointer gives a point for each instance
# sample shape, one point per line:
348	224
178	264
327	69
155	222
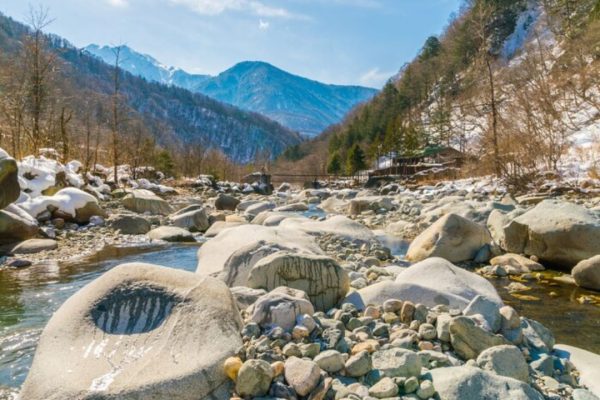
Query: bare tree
116	113
40	64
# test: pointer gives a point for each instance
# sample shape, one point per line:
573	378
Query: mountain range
177	118
298	103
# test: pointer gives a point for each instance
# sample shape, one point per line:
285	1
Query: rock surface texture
130	334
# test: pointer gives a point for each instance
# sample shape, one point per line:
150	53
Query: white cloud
375	77
263	25
118	3
216	7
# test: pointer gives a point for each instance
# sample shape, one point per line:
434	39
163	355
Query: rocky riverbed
296	295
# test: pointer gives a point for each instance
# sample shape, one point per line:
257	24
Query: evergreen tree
356	160
164	163
335	164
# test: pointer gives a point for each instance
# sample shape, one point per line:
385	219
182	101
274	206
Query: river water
29	297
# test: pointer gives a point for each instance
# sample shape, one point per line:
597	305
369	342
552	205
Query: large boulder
452	237
337	225
469	383
131	333
429	282
505	360
9	180
33	246
557	232
70	204
171	234
16	225
320	277
587	273
192	218
144	201
129	224
215	253
226	202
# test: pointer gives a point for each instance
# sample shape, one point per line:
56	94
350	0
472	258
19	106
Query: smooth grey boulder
430	282
226	202
171	234
257	208
320	277
214	254
129	224
486	308
587	273
16	225
144	201
139	331
557	232
537	336
338	225
192	218
504	360
238	266
397	362
294	207
33	246
469	340
302	375
452	237
469	383
9	180
280	307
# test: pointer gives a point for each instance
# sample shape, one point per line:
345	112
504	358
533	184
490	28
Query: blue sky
335	41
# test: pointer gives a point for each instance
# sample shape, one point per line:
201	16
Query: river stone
257	208
281	307
517	263
254	378
323	280
9	180
504	360
397	362
359	364
171	234
294	207
385	388
430	282
587	273
194	220
451	237
488	309
144	201
129	224
302	375
558	232
245	296
537	336
16	225
216	252
469	383
129	335
226	202
330	361
469	340
33	246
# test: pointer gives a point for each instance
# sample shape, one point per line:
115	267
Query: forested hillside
512	83
55	95
298	103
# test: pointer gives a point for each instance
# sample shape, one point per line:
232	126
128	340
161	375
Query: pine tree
356	160
335	164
